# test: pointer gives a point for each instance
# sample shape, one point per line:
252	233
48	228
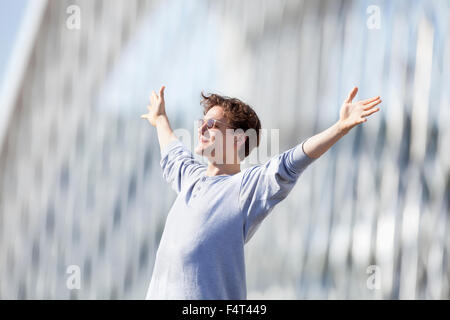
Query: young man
219	207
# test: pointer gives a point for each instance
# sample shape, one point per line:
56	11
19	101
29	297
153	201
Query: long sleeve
179	165
263	186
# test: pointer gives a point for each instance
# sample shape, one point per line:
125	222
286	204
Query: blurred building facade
81	183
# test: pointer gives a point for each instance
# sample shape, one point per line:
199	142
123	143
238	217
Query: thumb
352	95
161	92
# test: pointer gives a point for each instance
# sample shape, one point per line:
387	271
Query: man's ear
241	138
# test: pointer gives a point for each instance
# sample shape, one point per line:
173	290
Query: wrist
161	119
340	128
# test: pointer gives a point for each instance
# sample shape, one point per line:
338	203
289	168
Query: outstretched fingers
153	97
372	104
369	112
361	120
367	101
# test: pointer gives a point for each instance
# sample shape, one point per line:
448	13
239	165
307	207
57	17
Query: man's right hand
157	108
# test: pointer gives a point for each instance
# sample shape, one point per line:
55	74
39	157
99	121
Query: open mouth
204	139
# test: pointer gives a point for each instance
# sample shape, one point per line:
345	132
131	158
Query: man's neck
222	169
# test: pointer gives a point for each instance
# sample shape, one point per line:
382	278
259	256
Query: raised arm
158	118
351	114
177	162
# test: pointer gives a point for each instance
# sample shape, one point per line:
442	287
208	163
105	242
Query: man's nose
202	129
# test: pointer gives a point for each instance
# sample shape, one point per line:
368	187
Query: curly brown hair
239	115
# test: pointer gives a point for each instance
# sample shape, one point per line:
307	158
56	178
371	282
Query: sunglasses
210	123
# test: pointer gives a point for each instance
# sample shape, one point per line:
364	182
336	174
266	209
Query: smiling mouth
204	139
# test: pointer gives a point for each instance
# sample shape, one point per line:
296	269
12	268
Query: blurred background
80	179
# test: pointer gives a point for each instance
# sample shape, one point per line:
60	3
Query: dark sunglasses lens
210	123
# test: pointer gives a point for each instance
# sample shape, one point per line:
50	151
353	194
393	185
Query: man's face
217	142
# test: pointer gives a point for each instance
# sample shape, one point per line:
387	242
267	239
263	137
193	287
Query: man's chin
199	150
203	150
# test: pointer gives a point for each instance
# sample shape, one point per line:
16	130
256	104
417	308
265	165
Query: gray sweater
201	253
